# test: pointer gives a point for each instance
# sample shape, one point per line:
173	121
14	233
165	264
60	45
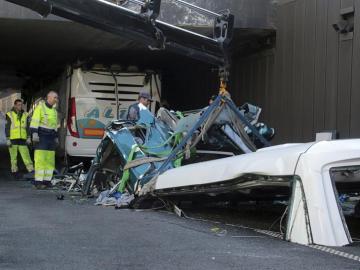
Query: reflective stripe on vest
44	117
50	118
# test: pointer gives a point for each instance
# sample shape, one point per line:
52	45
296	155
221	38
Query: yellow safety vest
44	117
18	126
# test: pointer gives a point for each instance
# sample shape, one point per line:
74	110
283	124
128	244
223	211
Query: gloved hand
28	141
35	138
8	142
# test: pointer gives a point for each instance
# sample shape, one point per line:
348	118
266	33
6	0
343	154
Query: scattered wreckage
219	154
215	153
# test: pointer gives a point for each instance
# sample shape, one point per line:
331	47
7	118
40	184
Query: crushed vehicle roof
218	152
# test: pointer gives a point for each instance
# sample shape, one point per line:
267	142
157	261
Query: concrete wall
11	11
7	99
311	81
248	13
7	102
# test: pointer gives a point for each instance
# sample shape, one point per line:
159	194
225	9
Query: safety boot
16	175
38	185
29	175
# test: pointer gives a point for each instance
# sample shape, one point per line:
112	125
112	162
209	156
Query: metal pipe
247	123
192	6
188	136
116	93
199	9
137	2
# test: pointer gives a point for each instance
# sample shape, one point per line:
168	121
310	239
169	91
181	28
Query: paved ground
39	232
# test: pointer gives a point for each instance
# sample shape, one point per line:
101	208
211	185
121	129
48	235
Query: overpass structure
35	48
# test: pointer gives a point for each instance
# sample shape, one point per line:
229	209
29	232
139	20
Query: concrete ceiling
40	48
28	39
248	13
36	41
39	41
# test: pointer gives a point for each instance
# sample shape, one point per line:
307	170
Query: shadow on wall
2	129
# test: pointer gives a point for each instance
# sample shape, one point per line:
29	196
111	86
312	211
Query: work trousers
44	165
25	155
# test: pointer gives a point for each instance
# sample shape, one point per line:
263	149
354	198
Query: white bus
88	103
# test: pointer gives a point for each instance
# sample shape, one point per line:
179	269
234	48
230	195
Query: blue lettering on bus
93	113
108	112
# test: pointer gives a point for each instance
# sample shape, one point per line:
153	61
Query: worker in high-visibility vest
43	127
18	137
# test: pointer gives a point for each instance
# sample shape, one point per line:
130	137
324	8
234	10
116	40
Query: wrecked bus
218	154
162	157
96	97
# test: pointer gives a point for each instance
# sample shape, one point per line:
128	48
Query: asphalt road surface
37	231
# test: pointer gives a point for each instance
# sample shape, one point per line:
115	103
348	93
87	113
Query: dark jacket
133	112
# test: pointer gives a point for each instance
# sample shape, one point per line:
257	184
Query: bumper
78	147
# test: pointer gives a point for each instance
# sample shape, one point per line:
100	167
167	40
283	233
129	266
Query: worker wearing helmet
18	138
43	126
